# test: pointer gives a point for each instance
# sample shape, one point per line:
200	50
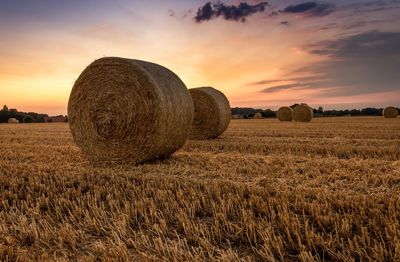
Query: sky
262	54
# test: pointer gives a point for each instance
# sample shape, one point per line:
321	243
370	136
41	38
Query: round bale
257	116
13	121
390	112
128	111
285	113
303	113
212	113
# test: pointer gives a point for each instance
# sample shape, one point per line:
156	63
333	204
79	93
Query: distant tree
371	112
268	113
320	110
28	119
40	119
5	108
355	112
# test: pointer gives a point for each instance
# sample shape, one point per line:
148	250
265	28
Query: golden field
328	190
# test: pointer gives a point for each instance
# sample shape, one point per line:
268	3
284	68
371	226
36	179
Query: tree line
244	112
22	117
318	112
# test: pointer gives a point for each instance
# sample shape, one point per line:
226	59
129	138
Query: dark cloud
310	9
228	12
300	8
373	6
359	64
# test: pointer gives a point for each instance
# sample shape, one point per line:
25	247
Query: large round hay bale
212	113
303	113
390	112
13	121
257	116
128	111
285	113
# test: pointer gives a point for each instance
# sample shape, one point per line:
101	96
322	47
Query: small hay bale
390	112
128	111
257	116
285	113
212	113
303	113
13	121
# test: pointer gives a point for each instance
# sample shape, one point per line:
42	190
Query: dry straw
13	121
285	113
302	113
257	116
390	112
212	113
131	111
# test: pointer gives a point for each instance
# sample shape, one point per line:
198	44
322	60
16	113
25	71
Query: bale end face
128	111
303	113
212	113
390	112
285	113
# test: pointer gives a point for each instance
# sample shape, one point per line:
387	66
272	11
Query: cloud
263	82
309	9
181	14
359	64
300	8
373	6
277	88
229	12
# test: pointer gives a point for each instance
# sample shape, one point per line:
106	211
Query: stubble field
265	191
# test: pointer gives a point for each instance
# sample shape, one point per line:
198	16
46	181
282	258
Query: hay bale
257	116
285	113
212	113
13	121
390	112
130	111
303	113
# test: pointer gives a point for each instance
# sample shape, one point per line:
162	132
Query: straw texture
303	113
285	113
129	111
212	113
390	112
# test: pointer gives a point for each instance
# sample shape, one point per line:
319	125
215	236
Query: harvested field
328	190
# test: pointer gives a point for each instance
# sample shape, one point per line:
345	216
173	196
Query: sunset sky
335	54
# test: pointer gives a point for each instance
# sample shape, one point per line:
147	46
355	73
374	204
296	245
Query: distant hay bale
128	111
13	121
237	117
390	112
212	113
303	113
285	113
257	116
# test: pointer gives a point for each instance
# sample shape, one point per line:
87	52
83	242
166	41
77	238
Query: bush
28	119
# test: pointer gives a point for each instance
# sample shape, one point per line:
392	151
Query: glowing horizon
264	62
